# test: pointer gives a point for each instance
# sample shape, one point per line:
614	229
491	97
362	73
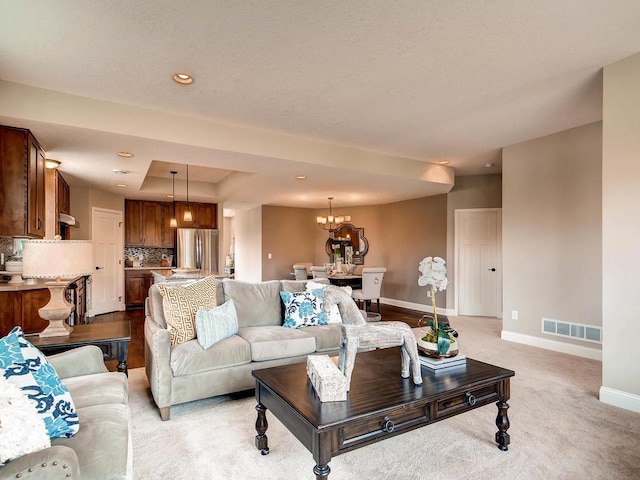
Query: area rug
559	430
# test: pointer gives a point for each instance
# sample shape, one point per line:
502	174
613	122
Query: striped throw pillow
216	324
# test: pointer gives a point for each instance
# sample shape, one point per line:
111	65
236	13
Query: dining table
344	279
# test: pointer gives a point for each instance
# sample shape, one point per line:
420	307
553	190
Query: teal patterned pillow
216	324
27	368
303	309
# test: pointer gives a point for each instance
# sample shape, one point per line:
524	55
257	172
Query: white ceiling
360	96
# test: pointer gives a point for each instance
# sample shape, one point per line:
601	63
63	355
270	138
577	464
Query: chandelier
331	222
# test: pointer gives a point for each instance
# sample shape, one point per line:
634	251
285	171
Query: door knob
492	269
99	268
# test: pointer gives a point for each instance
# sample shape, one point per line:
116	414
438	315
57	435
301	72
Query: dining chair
371	285
300	272
319	272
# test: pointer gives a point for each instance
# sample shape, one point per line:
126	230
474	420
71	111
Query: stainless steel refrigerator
198	248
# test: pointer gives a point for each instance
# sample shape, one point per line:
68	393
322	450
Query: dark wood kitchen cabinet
204	215
22	184
136	287
20	307
147	224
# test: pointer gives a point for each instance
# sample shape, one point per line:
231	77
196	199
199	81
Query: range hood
67	219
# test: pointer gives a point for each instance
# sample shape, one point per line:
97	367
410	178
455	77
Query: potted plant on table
436	342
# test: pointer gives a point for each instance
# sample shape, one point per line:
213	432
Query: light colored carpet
559	430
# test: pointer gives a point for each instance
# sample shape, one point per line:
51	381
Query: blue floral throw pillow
28	369
303	309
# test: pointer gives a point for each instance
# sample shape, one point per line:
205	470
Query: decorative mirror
348	242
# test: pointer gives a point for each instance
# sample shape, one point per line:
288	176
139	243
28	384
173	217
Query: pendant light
187	213
331	222
173	223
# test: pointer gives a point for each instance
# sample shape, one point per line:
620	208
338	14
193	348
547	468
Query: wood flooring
136	317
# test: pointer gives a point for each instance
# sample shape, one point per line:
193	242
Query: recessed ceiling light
489	165
444	162
120	172
121	185
301	177
183	78
125	154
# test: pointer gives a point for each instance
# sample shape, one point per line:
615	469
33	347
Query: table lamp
62	260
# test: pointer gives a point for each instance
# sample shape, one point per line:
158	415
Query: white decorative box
327	380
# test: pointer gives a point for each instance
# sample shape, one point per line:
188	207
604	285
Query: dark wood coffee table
112	337
380	403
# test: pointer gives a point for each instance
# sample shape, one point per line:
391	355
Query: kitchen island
179	276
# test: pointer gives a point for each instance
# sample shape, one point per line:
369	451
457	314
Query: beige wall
288	234
552	240
474	191
400	234
82	200
247	225
621	231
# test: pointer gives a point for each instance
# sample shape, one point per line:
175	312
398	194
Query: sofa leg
165	413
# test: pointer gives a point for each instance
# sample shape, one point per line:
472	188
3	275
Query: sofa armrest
56	462
85	360
157	361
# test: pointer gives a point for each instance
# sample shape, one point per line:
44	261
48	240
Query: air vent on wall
587	333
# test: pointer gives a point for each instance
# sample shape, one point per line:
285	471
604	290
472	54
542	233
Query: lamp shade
57	258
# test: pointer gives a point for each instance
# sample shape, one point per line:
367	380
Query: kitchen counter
148	267
5	286
167	275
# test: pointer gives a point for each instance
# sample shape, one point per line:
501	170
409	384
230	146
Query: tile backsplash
150	256
6	247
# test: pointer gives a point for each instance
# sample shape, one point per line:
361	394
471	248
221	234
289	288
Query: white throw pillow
334	313
22	430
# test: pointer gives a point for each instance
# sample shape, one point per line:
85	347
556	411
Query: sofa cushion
98	389
256	303
189	357
27	368
181	303
271	342
103	444
216	324
303	309
334	312
327	336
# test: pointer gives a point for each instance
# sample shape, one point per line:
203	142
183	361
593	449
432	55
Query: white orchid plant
433	273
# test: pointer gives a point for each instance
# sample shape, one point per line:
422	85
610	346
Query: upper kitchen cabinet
147	224
63	195
167	234
22	205
204	215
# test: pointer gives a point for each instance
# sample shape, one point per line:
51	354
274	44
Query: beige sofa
102	447
187	372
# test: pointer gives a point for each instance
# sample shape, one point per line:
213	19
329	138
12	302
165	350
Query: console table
112	338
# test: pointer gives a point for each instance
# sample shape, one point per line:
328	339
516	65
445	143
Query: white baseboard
577	350
621	399
421	307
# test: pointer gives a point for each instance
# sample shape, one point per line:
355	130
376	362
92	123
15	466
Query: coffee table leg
322	471
261	428
502	422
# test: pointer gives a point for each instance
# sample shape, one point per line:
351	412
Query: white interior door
107	279
478	261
